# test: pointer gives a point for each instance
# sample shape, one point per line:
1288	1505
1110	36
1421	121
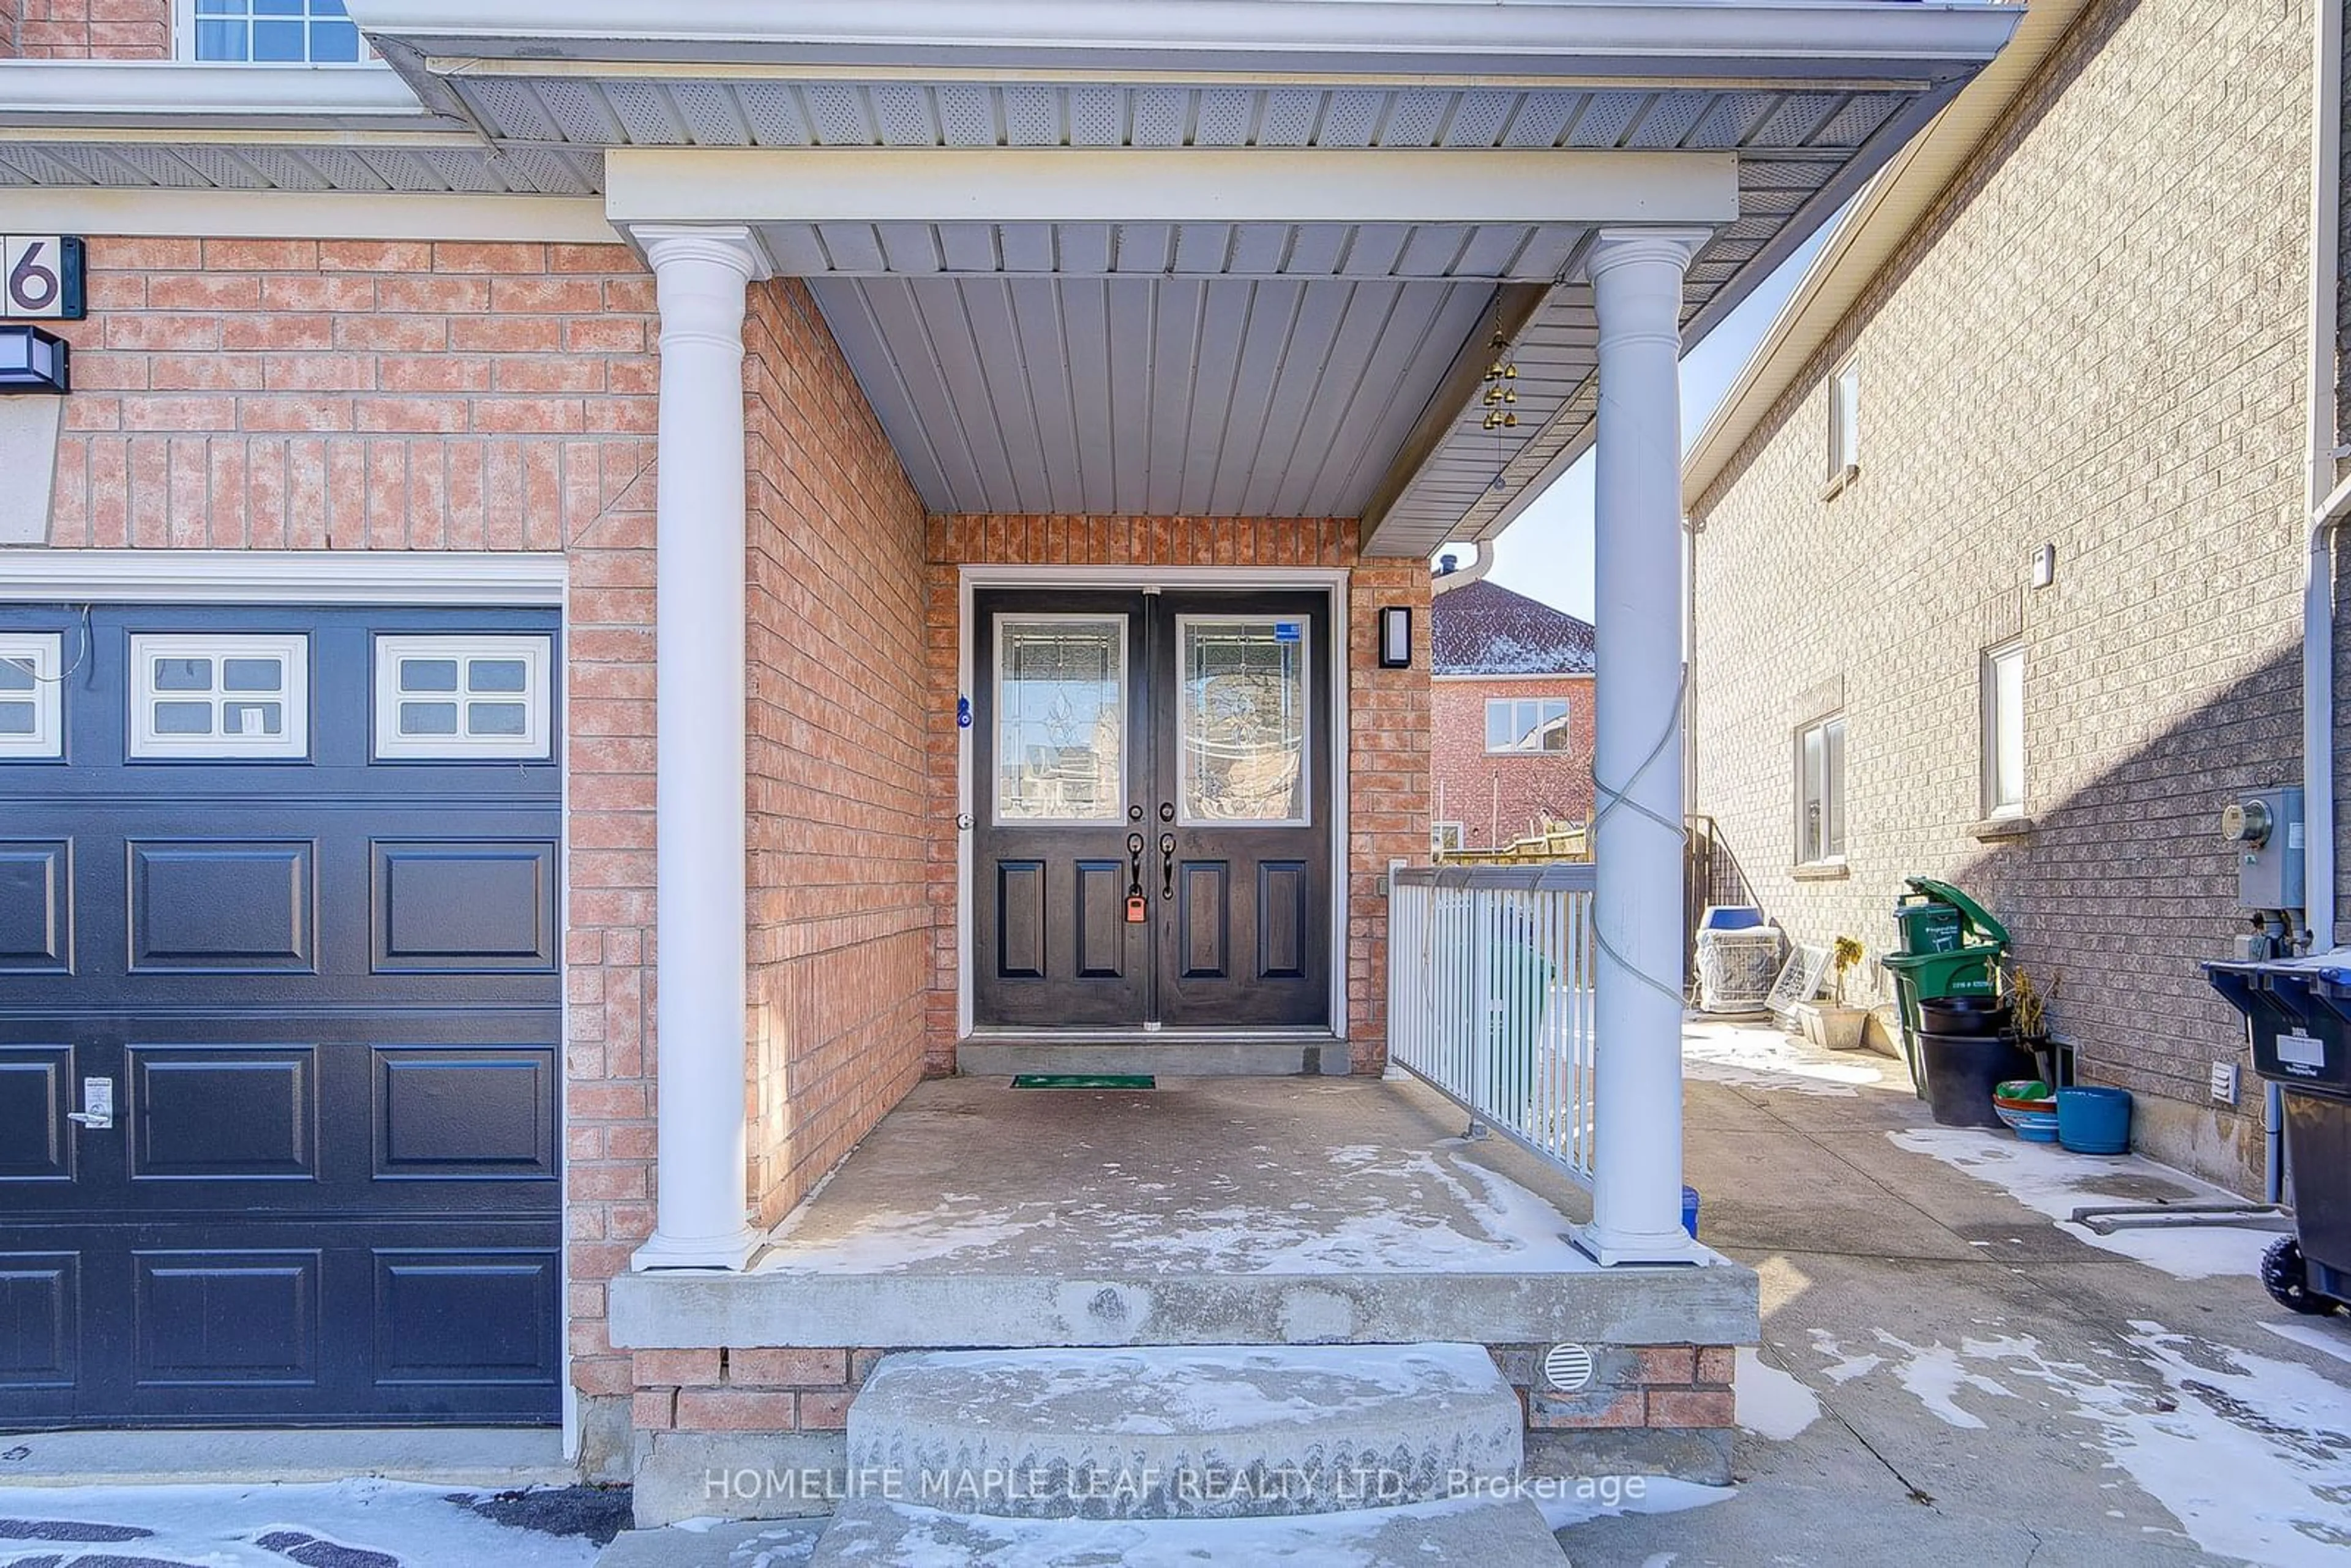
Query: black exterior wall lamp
1396	637
32	360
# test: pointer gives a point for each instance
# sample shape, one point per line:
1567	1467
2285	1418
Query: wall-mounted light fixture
1396	637
2044	566
32	360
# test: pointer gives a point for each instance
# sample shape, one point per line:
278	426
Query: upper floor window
2003	730
1527	724
272	32
1845	423
1820	793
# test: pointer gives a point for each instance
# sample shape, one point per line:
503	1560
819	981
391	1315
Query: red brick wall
87	29
1501	799
841	921
1388	709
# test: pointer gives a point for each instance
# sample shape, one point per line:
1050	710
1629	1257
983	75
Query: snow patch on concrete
2045	1177
221	1526
2334	1342
1752	1057
1772	1403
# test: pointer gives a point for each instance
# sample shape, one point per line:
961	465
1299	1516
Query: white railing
1489	998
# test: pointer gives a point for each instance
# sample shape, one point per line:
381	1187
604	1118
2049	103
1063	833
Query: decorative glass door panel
1241	721
1061	719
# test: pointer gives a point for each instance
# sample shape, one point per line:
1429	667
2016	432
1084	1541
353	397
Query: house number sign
41	278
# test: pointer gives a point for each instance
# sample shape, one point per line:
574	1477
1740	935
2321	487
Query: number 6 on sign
41	278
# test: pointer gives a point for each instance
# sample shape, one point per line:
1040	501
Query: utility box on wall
2264	826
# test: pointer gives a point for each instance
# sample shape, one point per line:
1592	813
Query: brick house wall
1499	798
2109	306
85	29
1389	710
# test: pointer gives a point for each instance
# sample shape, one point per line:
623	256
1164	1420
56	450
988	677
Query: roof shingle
1484	629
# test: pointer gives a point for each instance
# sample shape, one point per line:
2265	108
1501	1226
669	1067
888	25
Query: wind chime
1500	395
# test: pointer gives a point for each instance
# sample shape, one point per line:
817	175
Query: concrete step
1240	1056
1184	1432
1485	1532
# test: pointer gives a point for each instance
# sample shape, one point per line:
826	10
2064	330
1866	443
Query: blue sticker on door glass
1285	631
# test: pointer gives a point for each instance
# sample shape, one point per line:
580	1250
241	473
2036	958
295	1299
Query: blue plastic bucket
2094	1120
1689	1211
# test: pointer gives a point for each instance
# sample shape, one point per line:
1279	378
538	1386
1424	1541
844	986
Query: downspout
2326	502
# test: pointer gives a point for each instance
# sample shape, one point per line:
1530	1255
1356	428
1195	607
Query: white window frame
2003	732
1438	831
183	46
1566	717
1828	789
535	651
292	648
1844	449
1184	817
43	653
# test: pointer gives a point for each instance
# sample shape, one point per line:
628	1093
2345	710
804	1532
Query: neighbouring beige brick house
599	596
2085	339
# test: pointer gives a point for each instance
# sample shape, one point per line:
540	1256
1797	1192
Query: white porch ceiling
1279	361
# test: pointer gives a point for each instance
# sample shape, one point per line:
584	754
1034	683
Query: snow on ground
2251	1456
1612	1495
2331	1335
1458	1216
223	1527
2057	1182
1771	1402
1753	1057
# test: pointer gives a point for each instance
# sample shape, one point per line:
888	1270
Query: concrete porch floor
1205	1211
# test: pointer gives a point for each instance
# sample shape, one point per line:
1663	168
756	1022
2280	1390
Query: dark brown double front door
1151	810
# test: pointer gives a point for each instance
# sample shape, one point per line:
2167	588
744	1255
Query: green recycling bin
1951	946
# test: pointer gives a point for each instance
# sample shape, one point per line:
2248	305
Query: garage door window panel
463	698
221	698
32	697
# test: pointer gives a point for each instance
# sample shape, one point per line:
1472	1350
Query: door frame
521	580
1331	581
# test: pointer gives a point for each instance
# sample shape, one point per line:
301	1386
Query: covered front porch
1202	1211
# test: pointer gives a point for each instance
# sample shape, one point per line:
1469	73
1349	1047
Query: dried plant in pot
1834	1025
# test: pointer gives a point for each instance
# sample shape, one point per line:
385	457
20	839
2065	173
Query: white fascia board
1097	185
1546	36
281	576
53	93
302	215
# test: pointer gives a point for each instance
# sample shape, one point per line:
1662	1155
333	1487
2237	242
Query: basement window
463	699
230	698
270	32
32	697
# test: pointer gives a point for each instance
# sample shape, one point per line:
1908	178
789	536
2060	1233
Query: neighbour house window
270	32
1820	793
2003	730
461	699
1527	724
242	698
1445	838
1845	423
32	698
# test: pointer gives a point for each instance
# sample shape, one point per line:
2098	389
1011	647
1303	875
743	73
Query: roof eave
1865	239
183	94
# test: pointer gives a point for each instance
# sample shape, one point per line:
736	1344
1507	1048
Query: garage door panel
35	1094
467	1317
40	1340
483	1114
205	1319
36	906
224	1112
449	908
228	907
327	997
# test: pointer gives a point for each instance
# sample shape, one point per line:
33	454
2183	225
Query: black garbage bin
2298	1011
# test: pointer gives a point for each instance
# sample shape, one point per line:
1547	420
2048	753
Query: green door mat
1085	1080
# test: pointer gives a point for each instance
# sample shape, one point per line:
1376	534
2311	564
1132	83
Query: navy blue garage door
281	886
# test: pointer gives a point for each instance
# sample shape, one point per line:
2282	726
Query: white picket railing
1489	998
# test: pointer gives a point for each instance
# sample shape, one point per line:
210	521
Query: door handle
96	1110
1166	866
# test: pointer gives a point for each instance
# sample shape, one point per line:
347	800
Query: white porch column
701	274
1637	275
